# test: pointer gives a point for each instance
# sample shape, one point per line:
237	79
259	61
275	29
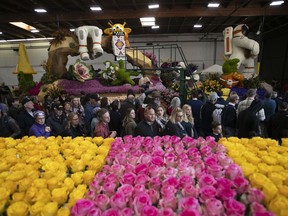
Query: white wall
203	52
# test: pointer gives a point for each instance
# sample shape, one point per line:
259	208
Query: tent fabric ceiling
173	16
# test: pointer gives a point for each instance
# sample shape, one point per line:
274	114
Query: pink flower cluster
168	176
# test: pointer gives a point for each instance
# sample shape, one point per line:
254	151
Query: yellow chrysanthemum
50	209
16	197
63	211
77	178
18	208
60	195
276	205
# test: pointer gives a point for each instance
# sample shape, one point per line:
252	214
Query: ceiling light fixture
147	21
96	8
153	6
34	30
213	4
40	10
197	26
155	27
276	3
1	32
72	30
23	25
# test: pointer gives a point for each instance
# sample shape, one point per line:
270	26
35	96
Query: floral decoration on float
265	164
169	176
41	176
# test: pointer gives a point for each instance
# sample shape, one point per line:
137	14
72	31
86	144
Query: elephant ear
108	31
127	30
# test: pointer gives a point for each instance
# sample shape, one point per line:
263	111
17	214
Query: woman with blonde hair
189	120
161	117
73	128
129	123
176	126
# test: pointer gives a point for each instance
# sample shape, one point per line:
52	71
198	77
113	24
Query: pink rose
193	152
141	169
148	210
206	179
214	207
223	183
220	148
170	160
187	169
111	178
139	188
166	212
120	158
155	183
128	178
128	139
232	171
170	171
117	169
255	195
168	201
132	159
185	180
111	212
95	186
145	159
158	151
127	190
206	151
141	200
142	179
210	161
168	189
109	188
127	212
241	184
188	203
207	192
118	201
223	160
258	209
129	168
155	170
190	191
102	201
233	207
190	212
82	207
171	181
154	195
226	193
215	170
95	212
136	152
157	160
188	141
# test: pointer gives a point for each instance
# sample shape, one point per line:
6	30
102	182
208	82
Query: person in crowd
77	107
129	102
94	120
189	120
5	93
229	116
202	96
155	99
73	128
269	106
102	127
175	102
129	123
216	130
25	118
115	123
90	105
56	120
63	97
37	103
47	104
231	93
221	103
104	103
248	123
161	117
67	108
14	107
39	128
208	114
196	105
275	97
141	96
8	125
277	126
176	126
148	126
244	104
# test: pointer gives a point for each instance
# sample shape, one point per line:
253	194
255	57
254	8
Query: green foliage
25	82
167	78
47	77
230	66
254	82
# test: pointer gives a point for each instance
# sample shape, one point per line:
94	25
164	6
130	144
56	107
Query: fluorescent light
96	8
147	19
155	27
72	30
27	39
148	23
197	26
40	10
23	25
1	32
276	3
215	5
153	6
34	30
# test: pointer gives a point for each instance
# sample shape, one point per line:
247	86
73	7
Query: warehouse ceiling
173	16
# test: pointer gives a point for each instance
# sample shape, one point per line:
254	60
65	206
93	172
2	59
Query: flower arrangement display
152	57
167	96
212	83
169	176
41	176
265	164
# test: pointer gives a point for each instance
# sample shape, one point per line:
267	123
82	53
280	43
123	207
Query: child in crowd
216	130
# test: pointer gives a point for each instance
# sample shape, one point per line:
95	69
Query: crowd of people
146	115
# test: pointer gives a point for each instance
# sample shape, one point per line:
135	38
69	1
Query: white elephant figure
83	32
238	45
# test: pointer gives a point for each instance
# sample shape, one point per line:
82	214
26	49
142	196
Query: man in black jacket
25	117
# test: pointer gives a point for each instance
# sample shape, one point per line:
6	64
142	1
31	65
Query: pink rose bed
168	176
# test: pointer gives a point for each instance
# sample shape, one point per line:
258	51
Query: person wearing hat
90	105
57	120
25	118
156	99
8	125
130	102
207	114
39	128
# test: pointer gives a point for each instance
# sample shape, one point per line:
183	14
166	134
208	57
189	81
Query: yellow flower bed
41	176
265	164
